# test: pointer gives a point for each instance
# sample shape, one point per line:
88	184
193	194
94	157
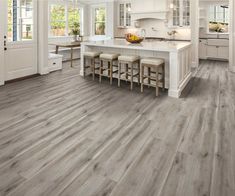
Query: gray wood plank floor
64	135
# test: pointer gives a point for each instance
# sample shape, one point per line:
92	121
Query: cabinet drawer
55	64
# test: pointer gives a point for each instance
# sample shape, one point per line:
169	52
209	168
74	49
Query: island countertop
176	55
164	46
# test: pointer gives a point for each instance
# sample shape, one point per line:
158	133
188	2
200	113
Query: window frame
66	5
93	8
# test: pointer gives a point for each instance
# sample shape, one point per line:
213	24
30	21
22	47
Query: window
218	19
57	20
20	20
100	21
63	18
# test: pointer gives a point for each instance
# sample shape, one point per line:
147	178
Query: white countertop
163	46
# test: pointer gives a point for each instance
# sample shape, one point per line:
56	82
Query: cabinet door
223	52
212	52
186	13
203	49
128	14
181	13
122	15
176	13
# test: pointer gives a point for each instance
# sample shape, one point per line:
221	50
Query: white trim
2	33
231	36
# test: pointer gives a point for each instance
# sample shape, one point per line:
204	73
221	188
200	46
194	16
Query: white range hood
159	15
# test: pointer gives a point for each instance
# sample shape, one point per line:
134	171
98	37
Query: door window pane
20	20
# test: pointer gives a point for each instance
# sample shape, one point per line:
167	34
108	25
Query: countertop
159	39
163	46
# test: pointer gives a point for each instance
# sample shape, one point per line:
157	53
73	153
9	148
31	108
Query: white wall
195	31
43	37
160	30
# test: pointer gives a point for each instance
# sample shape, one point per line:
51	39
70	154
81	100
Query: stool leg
127	72
138	72
119	74
149	75
93	68
163	77
84	67
111	72
101	70
157	79
142	79
131	65
109	67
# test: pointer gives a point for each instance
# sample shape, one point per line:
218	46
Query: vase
75	38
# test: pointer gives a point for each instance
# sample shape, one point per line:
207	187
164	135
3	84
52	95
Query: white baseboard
194	64
44	71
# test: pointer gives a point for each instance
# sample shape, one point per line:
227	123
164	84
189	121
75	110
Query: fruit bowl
134	39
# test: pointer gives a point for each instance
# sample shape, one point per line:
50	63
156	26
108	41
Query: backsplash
156	28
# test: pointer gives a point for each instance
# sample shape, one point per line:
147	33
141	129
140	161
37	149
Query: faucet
172	33
143	33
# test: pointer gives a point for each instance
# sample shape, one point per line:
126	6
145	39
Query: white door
2	31
20	53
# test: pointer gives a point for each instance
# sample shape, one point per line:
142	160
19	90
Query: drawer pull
54	63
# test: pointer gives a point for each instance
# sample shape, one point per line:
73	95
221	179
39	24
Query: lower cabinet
54	62
214	49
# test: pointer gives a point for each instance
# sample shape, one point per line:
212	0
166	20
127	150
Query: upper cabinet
180	11
140	6
124	13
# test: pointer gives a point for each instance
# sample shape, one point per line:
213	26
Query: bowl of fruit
134	39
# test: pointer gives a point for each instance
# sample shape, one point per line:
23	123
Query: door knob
5	49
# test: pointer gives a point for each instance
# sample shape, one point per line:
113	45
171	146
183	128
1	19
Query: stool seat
92	54
130	59
108	56
152	61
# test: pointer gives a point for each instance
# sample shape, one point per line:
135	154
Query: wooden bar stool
93	57
129	62
109	59
154	66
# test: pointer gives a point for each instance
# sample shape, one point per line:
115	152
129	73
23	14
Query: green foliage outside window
58	20
100	15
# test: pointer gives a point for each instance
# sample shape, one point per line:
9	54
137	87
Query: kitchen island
177	57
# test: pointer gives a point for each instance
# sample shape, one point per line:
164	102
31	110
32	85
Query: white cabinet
214	49
54	62
223	52
180	11
124	15
149	5
218	52
203	49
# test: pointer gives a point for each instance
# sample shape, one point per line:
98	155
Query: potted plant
75	31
